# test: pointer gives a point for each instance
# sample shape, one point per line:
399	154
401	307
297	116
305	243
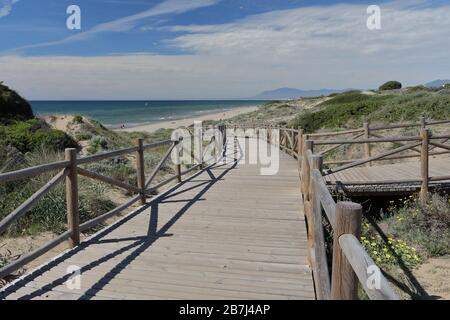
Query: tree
391	85
13	106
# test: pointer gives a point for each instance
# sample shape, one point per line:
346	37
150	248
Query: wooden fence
70	170
350	261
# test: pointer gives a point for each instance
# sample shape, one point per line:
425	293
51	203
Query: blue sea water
113	113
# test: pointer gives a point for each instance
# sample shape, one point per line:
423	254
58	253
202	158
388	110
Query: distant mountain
436	83
291	93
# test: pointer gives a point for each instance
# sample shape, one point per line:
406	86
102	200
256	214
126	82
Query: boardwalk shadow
138	245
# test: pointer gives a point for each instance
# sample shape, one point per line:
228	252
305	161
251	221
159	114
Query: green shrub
97	143
29	135
337	111
352	109
426	224
83	136
119	168
13	106
390	85
387	253
418	88
49	214
77	119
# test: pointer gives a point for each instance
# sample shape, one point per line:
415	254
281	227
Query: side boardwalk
226	233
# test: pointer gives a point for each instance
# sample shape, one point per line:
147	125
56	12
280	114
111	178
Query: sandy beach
188	121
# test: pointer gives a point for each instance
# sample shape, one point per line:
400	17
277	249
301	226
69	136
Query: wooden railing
70	170
350	261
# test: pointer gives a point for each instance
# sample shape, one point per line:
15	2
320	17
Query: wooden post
292	141
177	160
224	135
367	145
423	123
73	218
300	147
306	169
316	163
316	236
344	283
424	165
198	144
140	168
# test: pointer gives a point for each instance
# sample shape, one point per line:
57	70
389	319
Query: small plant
386	253
83	136
427	224
13	106
96	144
78	119
49	213
390	85
28	135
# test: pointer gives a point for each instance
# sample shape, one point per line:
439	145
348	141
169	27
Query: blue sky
202	49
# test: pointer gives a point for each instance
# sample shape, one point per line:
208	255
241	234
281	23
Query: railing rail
350	261
71	170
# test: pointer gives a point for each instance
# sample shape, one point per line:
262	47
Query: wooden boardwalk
228	232
376	179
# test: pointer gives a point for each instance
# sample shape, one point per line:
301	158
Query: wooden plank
326	199
228	233
95	221
158	166
370	140
23	260
33	171
108	180
381	155
106	155
321	274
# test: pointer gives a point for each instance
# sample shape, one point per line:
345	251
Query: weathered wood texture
391	178
344	281
361	263
73	217
226	233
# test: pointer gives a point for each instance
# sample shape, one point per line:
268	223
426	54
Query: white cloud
305	32
129	22
6	7
309	48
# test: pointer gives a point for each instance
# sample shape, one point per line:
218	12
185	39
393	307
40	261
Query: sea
132	113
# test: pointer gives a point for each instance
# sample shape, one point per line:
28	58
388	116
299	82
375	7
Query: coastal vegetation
406	236
350	110
26	141
401	238
390	85
13	106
